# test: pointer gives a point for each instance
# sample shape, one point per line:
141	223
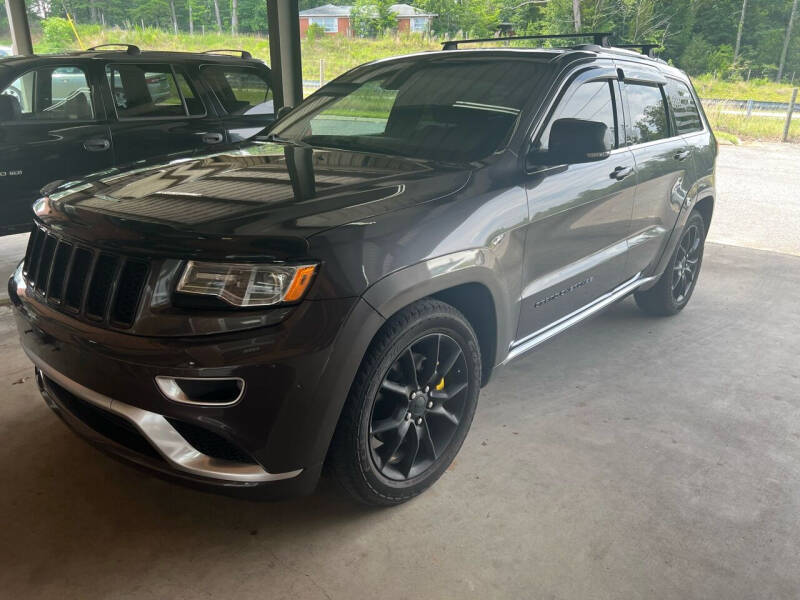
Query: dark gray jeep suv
338	291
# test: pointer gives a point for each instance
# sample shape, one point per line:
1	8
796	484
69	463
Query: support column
20	30
284	50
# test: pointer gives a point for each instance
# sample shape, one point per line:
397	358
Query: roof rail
129	48
601	39
645	48
241	53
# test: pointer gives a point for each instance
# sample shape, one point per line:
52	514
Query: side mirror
283	111
574	141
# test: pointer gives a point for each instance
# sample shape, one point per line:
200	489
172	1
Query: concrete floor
632	457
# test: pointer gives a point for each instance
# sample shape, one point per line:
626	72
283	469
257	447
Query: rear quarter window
684	108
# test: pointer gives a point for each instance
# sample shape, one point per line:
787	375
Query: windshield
450	110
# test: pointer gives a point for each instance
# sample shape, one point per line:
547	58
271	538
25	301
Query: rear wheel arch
705	206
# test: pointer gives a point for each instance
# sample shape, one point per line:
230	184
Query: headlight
245	284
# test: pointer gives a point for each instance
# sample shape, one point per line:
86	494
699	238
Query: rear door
662	162
50	130
575	248
158	112
244	97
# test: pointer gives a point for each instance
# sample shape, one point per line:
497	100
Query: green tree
372	17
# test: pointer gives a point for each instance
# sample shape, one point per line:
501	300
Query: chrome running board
163	436
529	342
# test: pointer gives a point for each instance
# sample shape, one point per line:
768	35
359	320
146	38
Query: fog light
203	391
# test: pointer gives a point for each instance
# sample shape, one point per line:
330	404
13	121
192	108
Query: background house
335	20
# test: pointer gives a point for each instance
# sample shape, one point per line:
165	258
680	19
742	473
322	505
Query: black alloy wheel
687	262
410	406
418	407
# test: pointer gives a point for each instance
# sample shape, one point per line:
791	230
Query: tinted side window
145	91
687	117
648	113
240	90
52	93
591	101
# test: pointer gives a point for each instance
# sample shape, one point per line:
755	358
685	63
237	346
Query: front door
49	131
576	245
159	114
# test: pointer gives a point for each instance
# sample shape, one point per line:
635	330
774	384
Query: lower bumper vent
210	443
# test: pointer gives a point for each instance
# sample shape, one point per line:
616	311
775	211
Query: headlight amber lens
244	284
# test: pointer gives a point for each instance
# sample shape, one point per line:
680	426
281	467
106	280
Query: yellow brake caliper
440	385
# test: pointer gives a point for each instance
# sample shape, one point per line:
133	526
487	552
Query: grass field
752	128
340	54
755	89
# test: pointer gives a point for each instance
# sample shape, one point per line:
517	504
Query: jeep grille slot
77	278
60	263
34	253
45	263
105	269
93	285
129	292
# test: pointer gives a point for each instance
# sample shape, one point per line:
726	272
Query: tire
394	439
675	287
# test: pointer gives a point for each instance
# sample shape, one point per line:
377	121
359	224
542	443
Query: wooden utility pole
576	15
786	40
739	33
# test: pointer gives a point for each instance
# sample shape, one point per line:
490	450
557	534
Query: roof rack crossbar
129	48
601	39
241	53
644	48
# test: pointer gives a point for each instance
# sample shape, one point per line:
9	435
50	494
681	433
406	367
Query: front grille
99	286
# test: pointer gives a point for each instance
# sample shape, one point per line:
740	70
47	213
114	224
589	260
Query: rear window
648	113
684	109
453	110
146	91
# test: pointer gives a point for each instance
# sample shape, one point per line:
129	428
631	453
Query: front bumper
63	393
297	374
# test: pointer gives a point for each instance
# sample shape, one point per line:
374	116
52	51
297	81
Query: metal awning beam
20	30
284	51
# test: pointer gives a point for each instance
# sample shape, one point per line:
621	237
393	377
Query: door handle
683	155
96	144
621	173
212	138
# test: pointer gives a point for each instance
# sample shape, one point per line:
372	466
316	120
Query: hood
263	200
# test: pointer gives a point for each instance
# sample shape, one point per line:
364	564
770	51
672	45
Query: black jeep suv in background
339	290
66	116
